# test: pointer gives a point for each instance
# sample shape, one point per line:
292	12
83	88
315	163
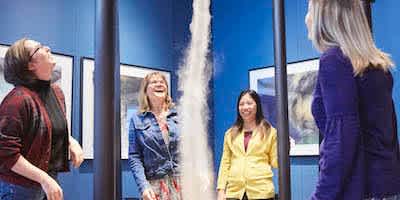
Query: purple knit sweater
359	153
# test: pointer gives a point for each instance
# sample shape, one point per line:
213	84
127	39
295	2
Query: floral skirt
167	188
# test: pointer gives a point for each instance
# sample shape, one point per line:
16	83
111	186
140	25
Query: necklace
160	116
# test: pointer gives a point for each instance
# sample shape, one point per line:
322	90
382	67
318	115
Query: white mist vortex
194	74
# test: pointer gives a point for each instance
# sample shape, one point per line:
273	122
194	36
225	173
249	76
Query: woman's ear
31	66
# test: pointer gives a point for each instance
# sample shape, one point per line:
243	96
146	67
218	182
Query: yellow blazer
250	171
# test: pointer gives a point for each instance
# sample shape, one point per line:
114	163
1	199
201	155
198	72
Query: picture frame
131	77
62	75
301	80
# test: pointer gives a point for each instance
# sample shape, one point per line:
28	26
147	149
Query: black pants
245	198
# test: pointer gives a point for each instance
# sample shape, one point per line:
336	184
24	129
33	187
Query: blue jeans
10	191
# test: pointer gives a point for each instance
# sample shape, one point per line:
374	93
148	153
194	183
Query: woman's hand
76	152
51	188
292	142
148	194
49	185
221	195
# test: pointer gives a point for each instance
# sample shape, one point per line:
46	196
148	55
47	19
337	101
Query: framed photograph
301	80
131	77
62	75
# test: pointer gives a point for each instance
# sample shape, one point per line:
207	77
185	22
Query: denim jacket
149	156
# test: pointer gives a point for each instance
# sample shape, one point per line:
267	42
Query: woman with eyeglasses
153	142
34	139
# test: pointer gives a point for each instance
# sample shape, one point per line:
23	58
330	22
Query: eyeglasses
36	50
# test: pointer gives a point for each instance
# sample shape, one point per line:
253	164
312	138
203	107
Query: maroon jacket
25	129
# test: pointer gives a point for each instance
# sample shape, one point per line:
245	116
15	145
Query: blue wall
152	34
386	33
243	40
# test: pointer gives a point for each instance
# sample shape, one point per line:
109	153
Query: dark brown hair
262	125
16	61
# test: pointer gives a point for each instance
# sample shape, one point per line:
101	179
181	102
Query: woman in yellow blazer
249	153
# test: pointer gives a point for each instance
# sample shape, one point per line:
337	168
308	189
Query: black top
58	125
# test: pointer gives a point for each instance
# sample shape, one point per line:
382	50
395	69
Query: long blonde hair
343	23
144	104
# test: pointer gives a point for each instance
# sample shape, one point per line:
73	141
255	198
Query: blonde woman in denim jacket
249	153
153	142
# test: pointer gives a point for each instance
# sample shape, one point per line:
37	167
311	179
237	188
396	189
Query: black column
367	10
282	99
107	125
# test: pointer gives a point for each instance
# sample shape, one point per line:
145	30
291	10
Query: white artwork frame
64	65
301	81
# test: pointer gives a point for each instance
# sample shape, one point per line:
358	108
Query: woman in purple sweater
353	106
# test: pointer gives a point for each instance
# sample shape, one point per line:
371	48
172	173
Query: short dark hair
16	61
